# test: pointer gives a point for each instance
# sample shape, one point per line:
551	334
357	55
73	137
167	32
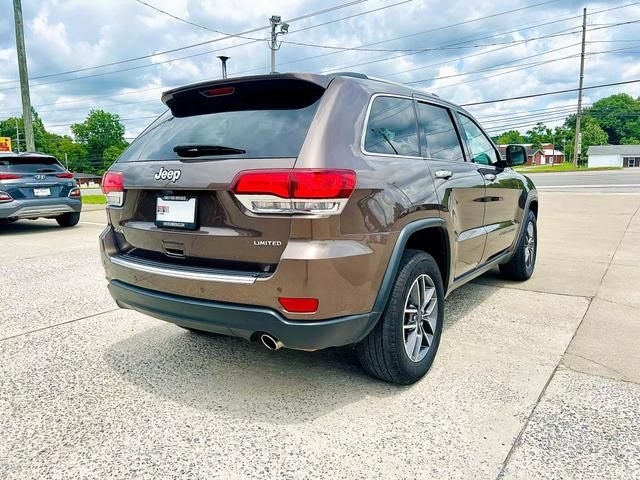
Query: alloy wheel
420	317
529	245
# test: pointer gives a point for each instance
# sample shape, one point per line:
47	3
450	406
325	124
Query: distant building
87	179
614	156
547	155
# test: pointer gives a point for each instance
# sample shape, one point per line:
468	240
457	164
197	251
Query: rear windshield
260	133
30	165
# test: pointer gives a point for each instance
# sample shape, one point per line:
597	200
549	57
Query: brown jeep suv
310	211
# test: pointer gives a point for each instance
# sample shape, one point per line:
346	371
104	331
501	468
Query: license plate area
176	211
41	192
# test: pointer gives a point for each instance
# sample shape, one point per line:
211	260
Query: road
533	380
611	181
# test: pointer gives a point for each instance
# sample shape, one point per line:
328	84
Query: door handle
445	174
490	176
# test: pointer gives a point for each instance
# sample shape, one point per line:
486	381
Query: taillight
64	175
5	197
299	305
113	188
75	193
9	176
294	191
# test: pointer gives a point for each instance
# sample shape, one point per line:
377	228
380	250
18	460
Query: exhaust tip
271	343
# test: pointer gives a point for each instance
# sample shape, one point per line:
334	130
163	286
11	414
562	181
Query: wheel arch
428	235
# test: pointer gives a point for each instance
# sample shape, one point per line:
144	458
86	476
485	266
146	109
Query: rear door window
30	165
438	136
392	128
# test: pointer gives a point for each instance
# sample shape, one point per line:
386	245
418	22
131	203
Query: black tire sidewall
418	264
68	219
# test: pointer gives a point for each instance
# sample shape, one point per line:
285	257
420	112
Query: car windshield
30	165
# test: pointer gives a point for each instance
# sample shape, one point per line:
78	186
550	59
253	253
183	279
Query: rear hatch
34	176
178	207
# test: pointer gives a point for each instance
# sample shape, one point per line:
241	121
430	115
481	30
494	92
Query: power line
199	44
543	94
386	58
497	66
444	27
361	47
515	43
573	105
189	22
525	67
384	7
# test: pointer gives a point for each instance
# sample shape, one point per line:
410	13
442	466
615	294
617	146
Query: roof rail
376	79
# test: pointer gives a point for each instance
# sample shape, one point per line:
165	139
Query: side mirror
516	155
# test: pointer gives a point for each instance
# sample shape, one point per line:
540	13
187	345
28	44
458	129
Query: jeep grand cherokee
310	211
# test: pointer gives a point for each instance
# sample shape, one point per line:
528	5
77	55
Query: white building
614	156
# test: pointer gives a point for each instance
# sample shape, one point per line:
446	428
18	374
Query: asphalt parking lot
533	380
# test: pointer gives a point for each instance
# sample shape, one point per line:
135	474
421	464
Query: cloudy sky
463	51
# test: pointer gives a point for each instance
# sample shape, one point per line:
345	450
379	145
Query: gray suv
35	185
310	211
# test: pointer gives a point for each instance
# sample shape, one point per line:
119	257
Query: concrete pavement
532	380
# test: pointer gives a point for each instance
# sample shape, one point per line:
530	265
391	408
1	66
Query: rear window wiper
198	150
46	170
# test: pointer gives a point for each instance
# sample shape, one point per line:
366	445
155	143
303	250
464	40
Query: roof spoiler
260	92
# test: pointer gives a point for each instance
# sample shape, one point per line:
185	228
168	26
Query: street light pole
24	75
276	20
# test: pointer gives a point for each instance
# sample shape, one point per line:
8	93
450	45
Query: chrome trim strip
471	233
182	274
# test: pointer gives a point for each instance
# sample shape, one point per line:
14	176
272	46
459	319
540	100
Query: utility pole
224	59
276	20
17	136
24	75
576	150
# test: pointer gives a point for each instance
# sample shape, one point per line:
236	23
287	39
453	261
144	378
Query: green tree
619	116
97	133
111	154
8	129
510	137
591	134
539	135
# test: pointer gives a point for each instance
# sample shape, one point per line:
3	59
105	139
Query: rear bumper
243	320
41	207
344	275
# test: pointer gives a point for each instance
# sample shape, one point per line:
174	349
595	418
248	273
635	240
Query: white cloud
74	34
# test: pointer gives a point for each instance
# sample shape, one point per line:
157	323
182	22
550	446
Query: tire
68	219
384	353
521	265
7	221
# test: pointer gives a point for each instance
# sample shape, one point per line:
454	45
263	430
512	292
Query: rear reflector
113	188
216	92
9	176
311	191
299	305
5	197
64	175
